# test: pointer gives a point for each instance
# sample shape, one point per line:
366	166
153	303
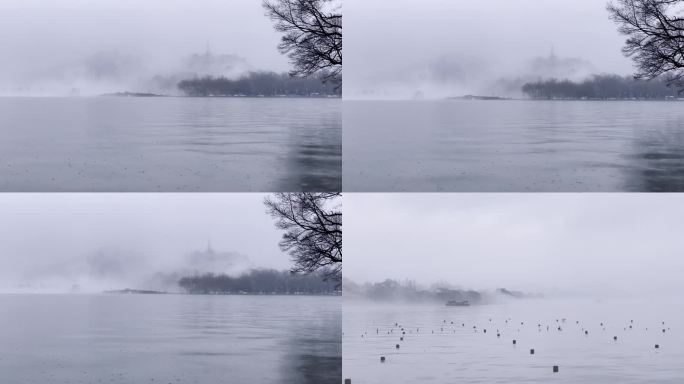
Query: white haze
81	47
438	48
595	245
95	242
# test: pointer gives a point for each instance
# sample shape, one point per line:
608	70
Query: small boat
454	303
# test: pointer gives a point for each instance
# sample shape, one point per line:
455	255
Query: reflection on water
513	146
314	356
659	160
170	144
315	154
475	344
169	339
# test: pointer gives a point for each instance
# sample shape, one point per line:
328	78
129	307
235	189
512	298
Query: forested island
392	290
601	87
259	282
132	94
481	98
261	84
408	291
129	291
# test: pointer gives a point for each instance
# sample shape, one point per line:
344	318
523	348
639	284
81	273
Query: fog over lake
58	137
92	242
604	269
59	252
586	245
84	47
445	48
459	100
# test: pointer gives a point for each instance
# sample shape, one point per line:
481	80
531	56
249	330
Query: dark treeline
601	87
392	290
259	281
267	84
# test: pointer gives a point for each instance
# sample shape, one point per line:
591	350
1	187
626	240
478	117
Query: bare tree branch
655	36
313	230
312	35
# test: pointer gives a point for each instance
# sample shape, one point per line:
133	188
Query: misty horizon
492	291
77	48
569	245
435	286
479	48
92	243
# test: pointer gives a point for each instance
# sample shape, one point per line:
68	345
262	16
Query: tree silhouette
655	36
258	84
600	87
313	230
257	281
312	35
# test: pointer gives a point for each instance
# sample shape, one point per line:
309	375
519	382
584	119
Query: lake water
459	353
169	339
170	144
513	146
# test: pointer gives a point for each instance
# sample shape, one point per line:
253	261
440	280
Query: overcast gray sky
602	244
114	241
397	48
45	44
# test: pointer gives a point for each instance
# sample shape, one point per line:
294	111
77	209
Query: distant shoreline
497	98
146	95
473	97
129	291
111	293
145	292
263	294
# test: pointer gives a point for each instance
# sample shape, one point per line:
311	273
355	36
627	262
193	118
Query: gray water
169	339
513	146
436	351
170	144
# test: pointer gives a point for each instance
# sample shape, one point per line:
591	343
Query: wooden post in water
555	369
532	351
347	381
382	359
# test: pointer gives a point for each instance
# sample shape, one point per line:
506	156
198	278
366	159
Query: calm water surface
169	339
436	351
170	144
513	146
